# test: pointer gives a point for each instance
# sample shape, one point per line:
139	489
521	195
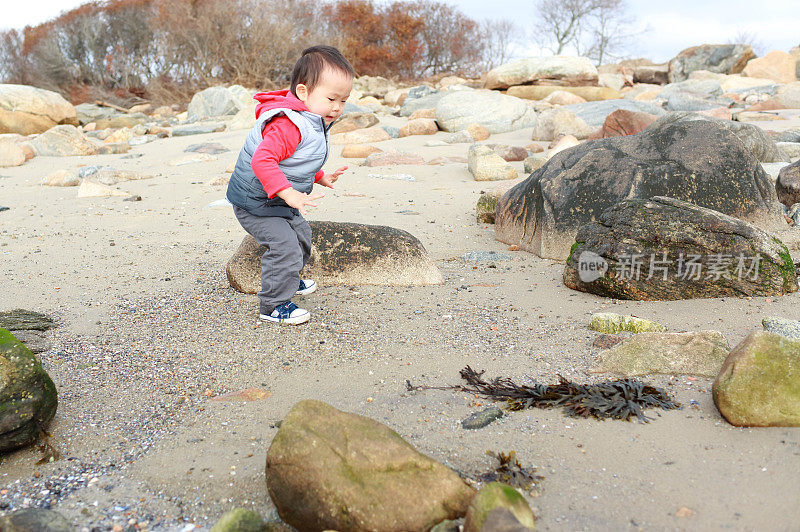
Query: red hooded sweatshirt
280	140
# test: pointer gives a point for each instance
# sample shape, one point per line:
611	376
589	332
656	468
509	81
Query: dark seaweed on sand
509	471
620	399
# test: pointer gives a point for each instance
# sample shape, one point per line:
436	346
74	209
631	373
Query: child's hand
329	180
298	200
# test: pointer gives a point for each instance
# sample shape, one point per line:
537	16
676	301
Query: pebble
784	327
484	256
478	420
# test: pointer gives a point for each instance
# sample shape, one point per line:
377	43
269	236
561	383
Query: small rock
239	520
89	189
611	323
361	136
509	153
419	126
683	511
393	177
212	148
563	143
393	157
35	520
484	256
485	165
533	163
500	498
423	113
353	122
61	178
478	420
11	154
198	129
190	159
782	326
359	151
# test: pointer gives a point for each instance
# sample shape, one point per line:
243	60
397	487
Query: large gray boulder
665	249
29	110
63	141
721	58
28	398
595	113
346	254
497	112
217	101
90	112
697	161
753	137
332	470
546	70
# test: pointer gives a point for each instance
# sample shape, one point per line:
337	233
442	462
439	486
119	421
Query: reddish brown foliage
165	44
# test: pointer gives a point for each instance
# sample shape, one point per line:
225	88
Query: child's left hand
328	180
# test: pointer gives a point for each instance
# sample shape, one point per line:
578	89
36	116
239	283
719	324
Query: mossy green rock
28	398
328	469
240	520
611	323
693	353
759	383
485	208
497	495
35	520
665	249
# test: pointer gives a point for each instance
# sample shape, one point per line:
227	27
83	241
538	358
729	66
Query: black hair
308	69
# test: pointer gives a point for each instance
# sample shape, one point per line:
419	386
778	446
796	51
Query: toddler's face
328	97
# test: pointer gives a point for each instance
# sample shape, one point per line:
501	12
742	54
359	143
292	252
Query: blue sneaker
287	313
307	286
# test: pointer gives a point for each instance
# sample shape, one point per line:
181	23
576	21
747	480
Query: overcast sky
672	25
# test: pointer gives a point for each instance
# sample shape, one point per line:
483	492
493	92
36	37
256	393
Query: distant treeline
176	46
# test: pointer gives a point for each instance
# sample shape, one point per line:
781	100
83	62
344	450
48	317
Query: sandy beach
150	334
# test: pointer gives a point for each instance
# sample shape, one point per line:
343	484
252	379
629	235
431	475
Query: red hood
278	99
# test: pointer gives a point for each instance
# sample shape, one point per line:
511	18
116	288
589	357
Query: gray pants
289	243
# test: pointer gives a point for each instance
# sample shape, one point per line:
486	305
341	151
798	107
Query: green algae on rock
28	397
493	496
692	353
611	323
328	469
759	383
666	249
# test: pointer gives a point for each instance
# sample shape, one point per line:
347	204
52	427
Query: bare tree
606	33
499	38
560	21
751	38
598	29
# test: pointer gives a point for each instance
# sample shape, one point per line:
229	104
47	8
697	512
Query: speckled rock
240	520
784	327
346	254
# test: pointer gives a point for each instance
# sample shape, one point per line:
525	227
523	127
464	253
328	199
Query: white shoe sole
309	290
295	320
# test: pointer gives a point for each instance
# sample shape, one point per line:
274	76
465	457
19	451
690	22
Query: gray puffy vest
244	188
